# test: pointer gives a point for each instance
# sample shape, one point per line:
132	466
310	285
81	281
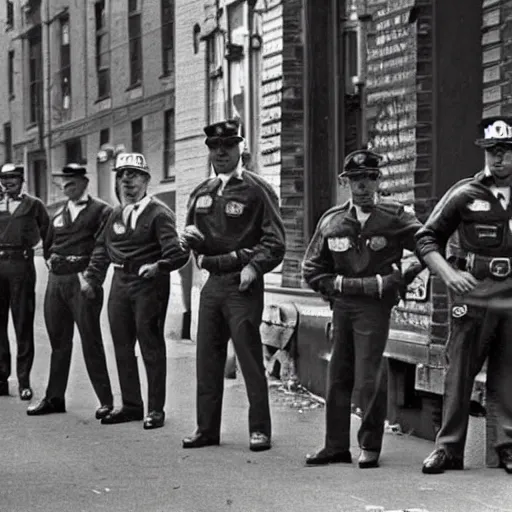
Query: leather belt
70	264
12	253
130	267
487	266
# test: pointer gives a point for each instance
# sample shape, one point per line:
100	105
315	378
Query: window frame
168	36
35	75
169	151
102	65
10	73
9	14
8	153
65	61
137	139
135	42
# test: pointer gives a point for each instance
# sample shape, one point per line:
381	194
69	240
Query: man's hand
247	277
85	287
148	270
459	281
191	238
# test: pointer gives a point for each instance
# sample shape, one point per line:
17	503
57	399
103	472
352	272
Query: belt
130	267
487	266
11	253
62	265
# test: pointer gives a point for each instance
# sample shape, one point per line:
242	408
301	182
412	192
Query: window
10	73
169	147
74	151
65	63
102	50
10	14
104	136
167	8
7	142
35	76
137	136
135	42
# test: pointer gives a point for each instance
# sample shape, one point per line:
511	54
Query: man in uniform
68	247
481	287
353	260
140	240
23	222
241	238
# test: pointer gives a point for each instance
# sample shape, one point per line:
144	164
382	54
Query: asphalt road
69	462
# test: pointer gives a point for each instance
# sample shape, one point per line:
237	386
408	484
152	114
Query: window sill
165	75
102	98
170	179
134	86
31	126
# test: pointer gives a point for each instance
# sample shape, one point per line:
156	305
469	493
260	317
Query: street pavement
70	462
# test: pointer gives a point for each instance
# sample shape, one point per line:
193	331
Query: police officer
353	260
140	240
480	284
23	222
68	247
238	215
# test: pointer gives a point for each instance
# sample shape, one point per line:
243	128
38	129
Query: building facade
83	73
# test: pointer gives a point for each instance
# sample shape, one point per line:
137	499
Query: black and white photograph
255	255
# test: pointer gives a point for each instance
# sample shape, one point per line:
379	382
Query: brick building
81	73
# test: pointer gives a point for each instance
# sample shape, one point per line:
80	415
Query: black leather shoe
123	415
368	459
4	388
199	440
259	442
47	406
103	411
324	456
506	459
154	419
439	461
26	393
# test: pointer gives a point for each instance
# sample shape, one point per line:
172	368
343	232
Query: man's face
224	154
499	161
133	184
12	184
74	187
363	188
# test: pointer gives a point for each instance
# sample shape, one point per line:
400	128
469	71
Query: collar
19	197
81	200
140	204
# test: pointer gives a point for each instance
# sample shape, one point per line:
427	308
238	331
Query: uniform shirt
8	204
224	178
471	207
26	225
152	240
245	219
501	193
342	246
76	238
135	210
75	207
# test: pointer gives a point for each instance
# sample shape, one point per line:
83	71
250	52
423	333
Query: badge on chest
204	202
119	228
234	209
58	221
339	244
478	205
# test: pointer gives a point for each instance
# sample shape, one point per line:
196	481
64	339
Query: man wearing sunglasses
479	280
353	260
234	227
140	240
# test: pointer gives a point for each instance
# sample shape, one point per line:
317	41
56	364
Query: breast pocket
484	235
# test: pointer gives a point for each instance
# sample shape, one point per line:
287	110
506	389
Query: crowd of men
234	231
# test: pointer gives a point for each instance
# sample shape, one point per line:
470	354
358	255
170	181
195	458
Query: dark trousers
17	293
226	312
479	334
136	310
360	332
65	305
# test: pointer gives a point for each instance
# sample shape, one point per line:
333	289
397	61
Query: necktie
134	208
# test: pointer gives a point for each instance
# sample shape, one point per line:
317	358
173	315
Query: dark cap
71	171
225	130
360	162
8	170
494	130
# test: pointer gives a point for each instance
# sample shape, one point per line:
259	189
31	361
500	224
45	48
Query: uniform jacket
484	226
245	219
77	238
341	246
154	240
26	225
